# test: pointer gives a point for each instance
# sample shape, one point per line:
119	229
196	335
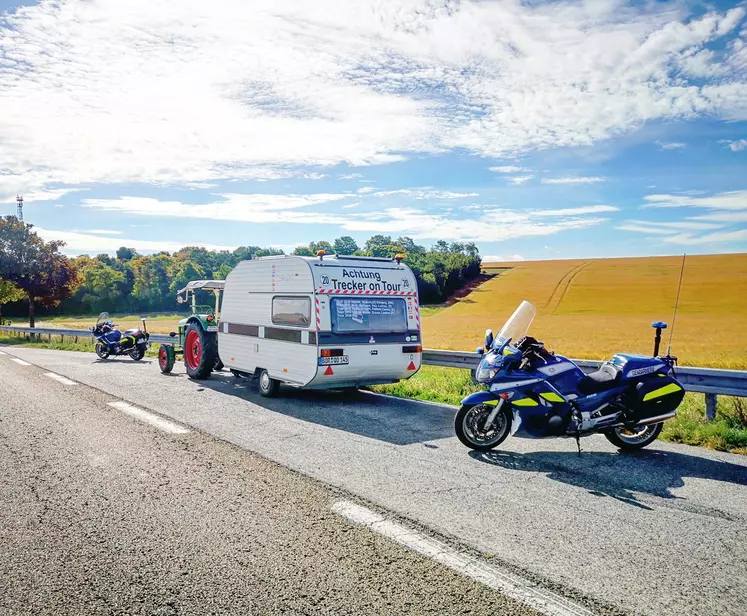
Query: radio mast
19	210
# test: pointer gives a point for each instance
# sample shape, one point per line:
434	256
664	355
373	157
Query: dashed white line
20	362
59	378
504	581
154	420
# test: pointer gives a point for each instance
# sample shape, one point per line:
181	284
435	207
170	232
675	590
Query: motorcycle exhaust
650	420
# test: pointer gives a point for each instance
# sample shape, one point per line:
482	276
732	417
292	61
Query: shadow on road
401	422
619	474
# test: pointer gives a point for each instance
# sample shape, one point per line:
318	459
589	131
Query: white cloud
507	169
98	232
185	92
727	217
573	180
666	228
490	223
721	237
671	145
365	189
732	200
519	179
426	192
78	243
8	195
500	259
579	211
735	146
350	176
238	207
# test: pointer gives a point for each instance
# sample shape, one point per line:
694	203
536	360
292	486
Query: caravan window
291	311
368	314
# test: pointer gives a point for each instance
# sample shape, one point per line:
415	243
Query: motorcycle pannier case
656	396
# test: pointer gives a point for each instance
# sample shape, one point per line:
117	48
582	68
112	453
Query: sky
537	130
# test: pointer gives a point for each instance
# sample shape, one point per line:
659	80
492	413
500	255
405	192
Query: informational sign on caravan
369	314
363	280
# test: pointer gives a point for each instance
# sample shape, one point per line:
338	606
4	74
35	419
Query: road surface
660	532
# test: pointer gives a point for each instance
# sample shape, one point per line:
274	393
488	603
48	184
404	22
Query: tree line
36	277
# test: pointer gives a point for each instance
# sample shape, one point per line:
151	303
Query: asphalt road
660	532
104	514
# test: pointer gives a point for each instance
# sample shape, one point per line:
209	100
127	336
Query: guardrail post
711	404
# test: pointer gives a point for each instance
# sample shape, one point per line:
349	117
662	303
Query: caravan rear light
412	349
332	352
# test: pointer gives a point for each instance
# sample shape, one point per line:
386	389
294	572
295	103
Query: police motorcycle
535	393
111	341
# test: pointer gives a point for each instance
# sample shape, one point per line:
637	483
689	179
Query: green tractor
198	333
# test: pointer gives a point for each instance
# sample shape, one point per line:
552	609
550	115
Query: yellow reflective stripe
490	402
552	397
525	402
507	351
662	391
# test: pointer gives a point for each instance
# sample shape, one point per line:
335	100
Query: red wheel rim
163	357
193	350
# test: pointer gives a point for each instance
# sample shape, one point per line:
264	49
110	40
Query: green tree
99	290
126	254
345	245
9	293
151	286
303	251
37	267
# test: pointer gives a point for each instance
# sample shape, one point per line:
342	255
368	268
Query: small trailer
330	322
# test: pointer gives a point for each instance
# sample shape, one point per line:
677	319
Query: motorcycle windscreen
103	318
518	323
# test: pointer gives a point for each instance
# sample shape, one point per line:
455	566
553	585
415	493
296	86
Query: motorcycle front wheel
469	425
634	438
102	350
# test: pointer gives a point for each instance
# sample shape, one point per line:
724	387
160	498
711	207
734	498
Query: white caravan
319	323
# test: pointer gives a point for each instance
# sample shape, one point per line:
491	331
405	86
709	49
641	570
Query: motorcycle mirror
488	338
90	329
480	351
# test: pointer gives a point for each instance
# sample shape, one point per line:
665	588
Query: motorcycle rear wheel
137	353
467	424
102	350
635	438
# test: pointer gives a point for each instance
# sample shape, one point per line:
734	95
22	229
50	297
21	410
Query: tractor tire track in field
560	290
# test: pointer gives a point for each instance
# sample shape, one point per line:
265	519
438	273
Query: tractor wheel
166	358
200	351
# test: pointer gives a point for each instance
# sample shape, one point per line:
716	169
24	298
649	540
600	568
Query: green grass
728	432
84	344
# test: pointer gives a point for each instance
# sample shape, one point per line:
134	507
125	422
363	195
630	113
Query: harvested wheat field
594	308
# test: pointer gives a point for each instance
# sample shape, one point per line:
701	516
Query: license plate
333	361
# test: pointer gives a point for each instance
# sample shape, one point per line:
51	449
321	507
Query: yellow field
160	324
595	307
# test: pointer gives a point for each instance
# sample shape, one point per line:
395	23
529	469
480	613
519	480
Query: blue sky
536	129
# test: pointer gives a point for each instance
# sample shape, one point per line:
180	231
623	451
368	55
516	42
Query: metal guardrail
708	381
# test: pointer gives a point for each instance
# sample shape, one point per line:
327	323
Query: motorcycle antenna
676	305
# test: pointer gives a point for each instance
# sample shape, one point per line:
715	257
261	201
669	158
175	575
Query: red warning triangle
411	366
328	371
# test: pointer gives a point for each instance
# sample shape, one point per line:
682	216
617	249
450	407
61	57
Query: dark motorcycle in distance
533	392
112	342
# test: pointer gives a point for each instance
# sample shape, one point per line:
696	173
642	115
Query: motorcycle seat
607	377
132	332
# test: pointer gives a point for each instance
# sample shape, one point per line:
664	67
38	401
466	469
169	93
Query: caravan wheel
268	387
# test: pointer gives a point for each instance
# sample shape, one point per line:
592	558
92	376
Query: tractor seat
607	377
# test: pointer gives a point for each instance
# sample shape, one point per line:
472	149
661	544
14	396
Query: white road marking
154	420
20	361
59	378
1	353
504	581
